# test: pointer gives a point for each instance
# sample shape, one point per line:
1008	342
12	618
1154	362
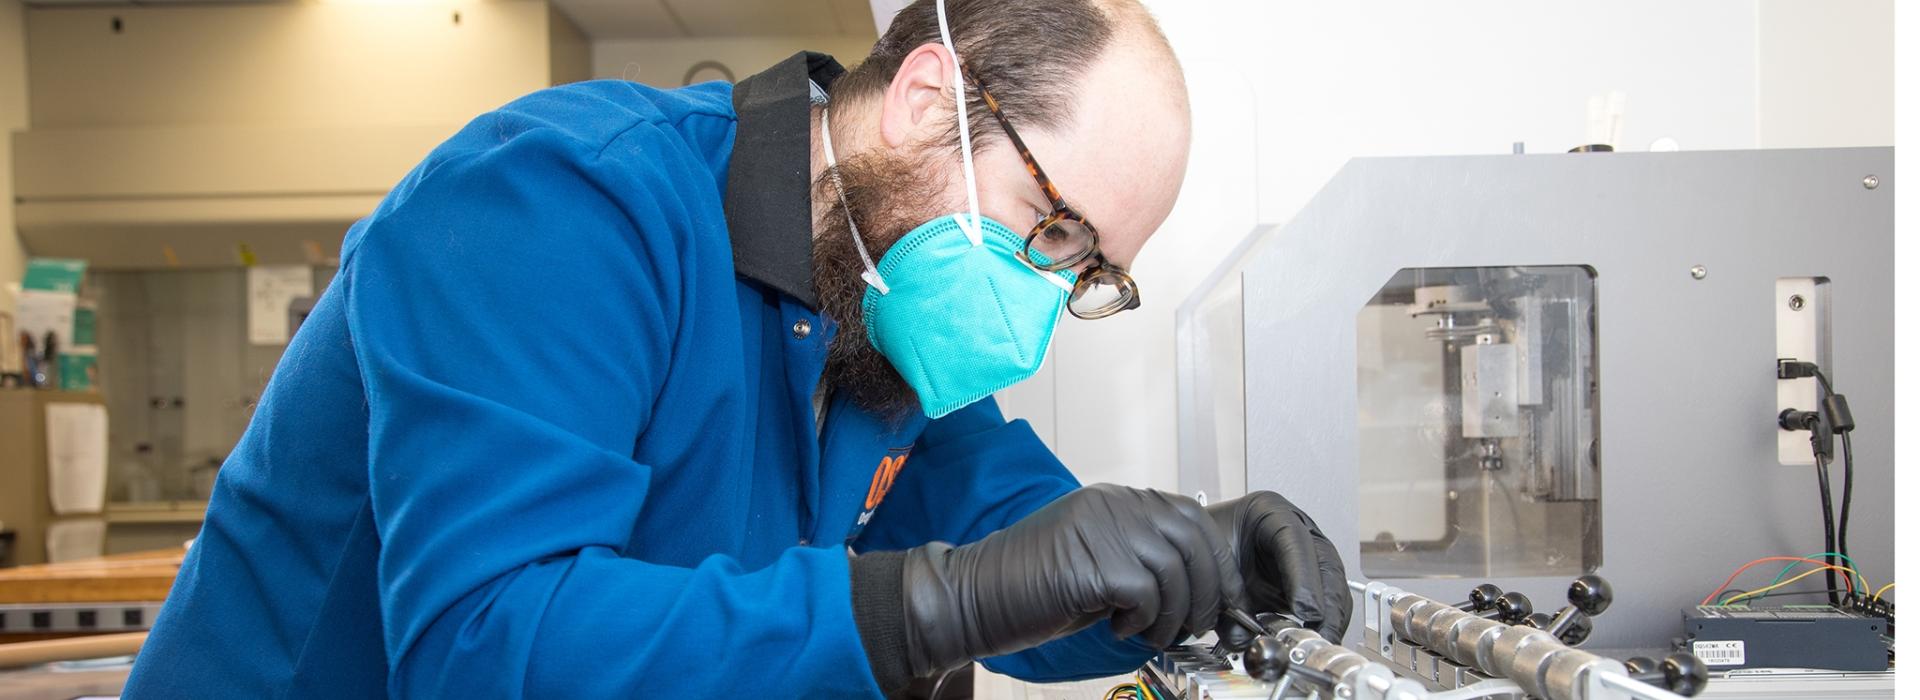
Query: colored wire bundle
1788	569
1823	567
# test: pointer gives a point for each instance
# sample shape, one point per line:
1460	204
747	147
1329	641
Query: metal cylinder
1530	661
1440	629
1299	643
1401	613
1473	642
1507	646
1420	623
1290	638
1344	665
1565	671
1335	661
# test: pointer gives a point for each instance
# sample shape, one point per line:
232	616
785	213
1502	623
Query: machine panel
1685	255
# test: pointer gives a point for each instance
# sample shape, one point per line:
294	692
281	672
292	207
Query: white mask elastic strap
960	114
872	274
1056	278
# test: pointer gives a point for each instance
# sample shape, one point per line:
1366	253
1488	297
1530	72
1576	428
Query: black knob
1686	673
1591	594
1513	607
1640	664
1266	660
1537	621
1682	673
1480	598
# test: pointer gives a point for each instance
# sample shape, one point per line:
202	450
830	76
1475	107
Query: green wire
1821	557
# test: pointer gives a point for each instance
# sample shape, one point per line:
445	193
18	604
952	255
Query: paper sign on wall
76	457
270	288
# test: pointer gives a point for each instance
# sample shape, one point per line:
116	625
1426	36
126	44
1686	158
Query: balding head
1090	86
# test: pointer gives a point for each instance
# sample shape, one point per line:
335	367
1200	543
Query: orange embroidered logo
883	479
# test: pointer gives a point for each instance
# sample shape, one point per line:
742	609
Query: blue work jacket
550	433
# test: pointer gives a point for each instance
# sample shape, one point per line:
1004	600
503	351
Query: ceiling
677	19
706	19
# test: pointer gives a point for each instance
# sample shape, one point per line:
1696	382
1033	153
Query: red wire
1736	574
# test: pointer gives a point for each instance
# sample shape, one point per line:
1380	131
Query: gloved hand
1288	566
1150	562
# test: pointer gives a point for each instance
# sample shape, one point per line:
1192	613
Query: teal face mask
962	318
952	306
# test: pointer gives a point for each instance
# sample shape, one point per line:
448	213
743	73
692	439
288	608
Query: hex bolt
1796	302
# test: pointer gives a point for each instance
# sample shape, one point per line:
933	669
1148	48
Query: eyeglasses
1065	239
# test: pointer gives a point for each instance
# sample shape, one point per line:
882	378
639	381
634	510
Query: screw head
1796	302
1870	182
1699	272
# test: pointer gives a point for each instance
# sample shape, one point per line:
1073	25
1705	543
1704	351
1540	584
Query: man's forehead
1124	152
1121	173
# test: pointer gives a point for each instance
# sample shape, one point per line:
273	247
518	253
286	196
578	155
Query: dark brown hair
1030	53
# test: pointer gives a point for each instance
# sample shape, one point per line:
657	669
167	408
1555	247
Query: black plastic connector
1796	419
1822	437
1839	417
1872	607
1789	368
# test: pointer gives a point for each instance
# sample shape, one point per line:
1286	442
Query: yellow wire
1883	589
1788	582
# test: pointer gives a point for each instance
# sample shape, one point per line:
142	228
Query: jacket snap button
801	329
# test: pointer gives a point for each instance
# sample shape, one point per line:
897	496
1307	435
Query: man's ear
914	102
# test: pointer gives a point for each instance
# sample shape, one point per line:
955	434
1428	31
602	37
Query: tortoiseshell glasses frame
1104	289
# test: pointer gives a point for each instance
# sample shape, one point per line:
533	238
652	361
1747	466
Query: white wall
1826	73
664	62
13	116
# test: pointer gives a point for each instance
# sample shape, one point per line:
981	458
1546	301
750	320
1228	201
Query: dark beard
887	196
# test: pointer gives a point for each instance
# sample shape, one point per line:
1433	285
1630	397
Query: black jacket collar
769	200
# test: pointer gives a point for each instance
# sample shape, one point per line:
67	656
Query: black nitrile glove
1150	562
1289	567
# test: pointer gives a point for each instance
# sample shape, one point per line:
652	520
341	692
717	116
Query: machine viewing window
1479	424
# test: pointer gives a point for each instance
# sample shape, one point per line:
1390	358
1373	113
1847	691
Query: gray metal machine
1521	369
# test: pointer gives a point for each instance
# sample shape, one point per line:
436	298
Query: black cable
1831	417
1844	426
1846	493
1826	516
1825	386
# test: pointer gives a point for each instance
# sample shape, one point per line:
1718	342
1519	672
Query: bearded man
627	390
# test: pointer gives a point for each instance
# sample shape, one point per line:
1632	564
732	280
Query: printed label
1721	653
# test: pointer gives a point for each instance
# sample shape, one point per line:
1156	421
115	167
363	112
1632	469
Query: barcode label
1722	653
